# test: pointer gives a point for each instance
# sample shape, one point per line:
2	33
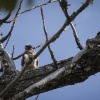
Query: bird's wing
23	60
37	61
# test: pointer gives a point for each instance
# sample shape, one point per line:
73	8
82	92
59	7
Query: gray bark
87	65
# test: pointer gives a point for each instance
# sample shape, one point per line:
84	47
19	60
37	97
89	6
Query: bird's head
28	47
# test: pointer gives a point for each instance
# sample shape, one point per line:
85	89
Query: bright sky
29	29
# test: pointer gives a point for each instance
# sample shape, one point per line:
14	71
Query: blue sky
29	29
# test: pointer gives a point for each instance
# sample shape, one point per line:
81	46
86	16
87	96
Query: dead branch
11	64
64	9
41	83
46	34
6	18
12	27
7	41
54	37
34	7
76	37
37	97
15	58
12	67
13	82
82	69
90	43
12	52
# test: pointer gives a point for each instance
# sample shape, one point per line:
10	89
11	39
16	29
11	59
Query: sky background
29	29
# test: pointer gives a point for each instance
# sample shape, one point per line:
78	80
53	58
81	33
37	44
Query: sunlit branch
76	37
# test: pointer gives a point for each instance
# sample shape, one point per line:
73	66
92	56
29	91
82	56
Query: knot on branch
90	58
64	4
94	42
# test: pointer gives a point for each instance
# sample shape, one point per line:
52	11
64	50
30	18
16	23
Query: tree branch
12	67
83	68
64	9
6	18
46	34
54	37
22	95
12	52
76	37
12	27
34	7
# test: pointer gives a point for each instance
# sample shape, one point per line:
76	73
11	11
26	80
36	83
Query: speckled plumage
27	57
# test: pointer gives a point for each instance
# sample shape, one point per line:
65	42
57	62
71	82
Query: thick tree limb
22	95
12	67
86	66
90	43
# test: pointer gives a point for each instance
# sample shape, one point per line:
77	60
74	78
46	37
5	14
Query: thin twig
15	58
39	45
12	27
76	37
34	7
12	52
7	41
64	9
46	34
6	18
37	97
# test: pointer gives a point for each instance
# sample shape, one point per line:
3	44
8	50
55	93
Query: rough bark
86	66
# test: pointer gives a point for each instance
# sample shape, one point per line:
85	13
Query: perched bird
28	57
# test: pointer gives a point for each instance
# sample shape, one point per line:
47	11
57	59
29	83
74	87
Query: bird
28	58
